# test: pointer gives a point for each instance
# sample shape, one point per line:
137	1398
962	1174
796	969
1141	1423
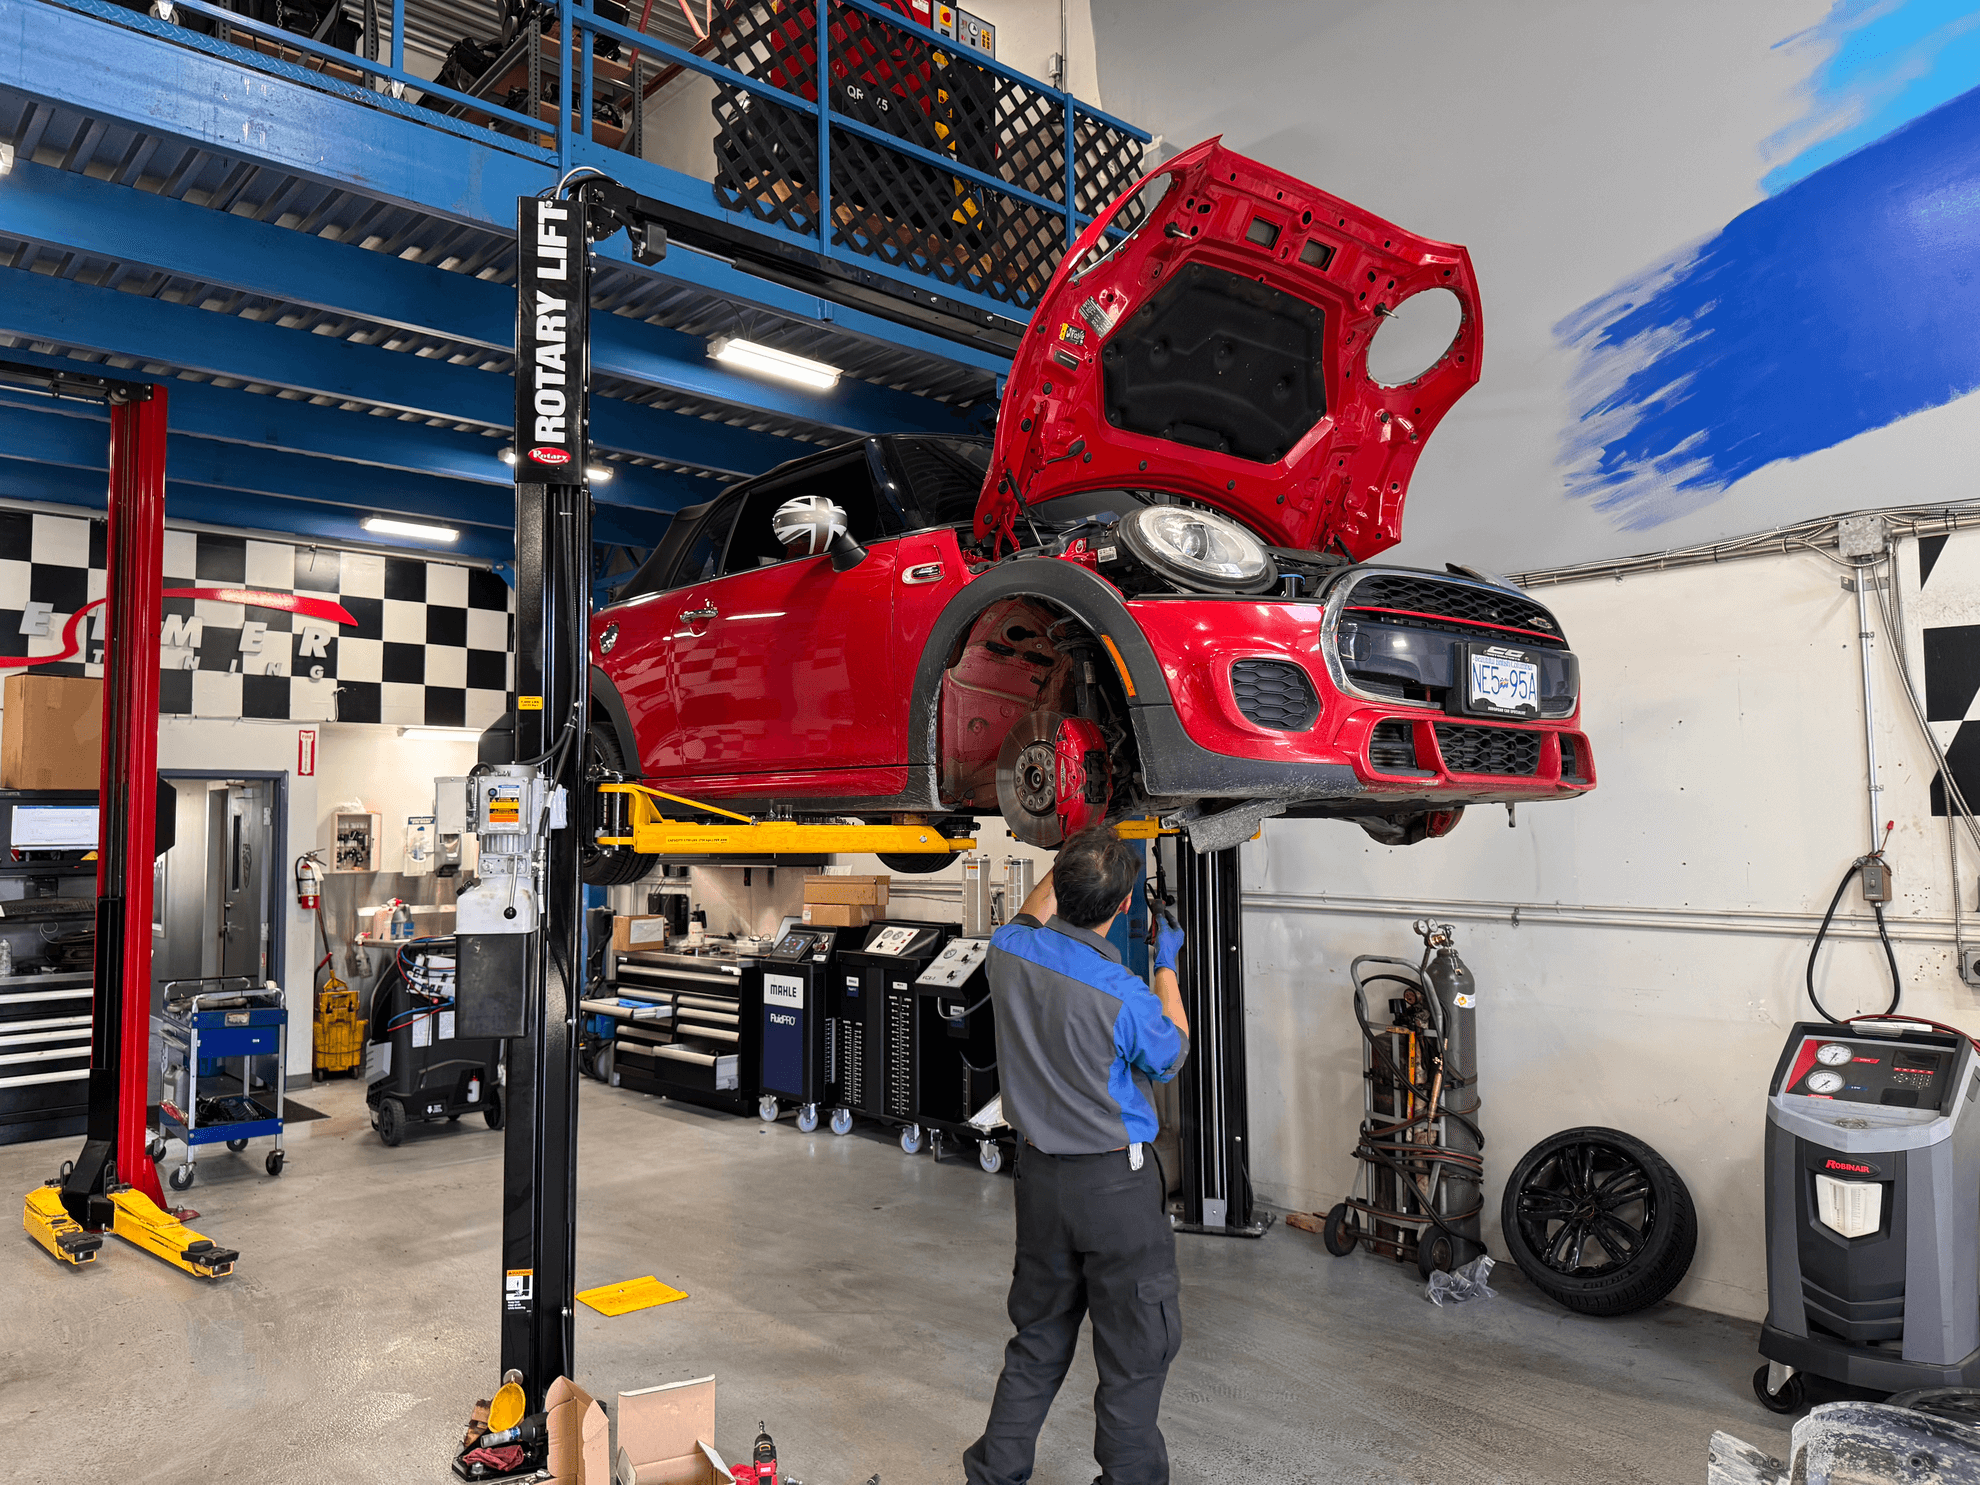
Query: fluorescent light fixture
385	526
507	456
598	474
439	734
747	355
6	158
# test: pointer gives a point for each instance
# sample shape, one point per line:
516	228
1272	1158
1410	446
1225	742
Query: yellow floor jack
135	1218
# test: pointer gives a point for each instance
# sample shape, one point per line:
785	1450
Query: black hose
1883	933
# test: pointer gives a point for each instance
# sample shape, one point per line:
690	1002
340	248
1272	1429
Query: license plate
1504	685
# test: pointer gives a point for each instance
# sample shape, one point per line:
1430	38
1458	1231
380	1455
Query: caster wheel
603	1065
492	1112
766	1108
1790	1399
453	1118
356	1071
182	1178
842	1121
274	1162
237	1145
911	1140
318	1075
156	1150
391	1122
935	1145
990	1155
1340	1234
807	1119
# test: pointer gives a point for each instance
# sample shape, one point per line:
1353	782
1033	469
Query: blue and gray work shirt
1074	1028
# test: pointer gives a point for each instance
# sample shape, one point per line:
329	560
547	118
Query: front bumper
1359	754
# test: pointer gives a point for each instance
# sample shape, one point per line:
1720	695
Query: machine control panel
800	944
1875	1070
960	958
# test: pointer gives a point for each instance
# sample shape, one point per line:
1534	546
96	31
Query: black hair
1095	870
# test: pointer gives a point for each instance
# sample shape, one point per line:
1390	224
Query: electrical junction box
1876	882
971	30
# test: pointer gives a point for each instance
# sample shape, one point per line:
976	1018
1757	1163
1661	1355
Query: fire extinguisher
309	882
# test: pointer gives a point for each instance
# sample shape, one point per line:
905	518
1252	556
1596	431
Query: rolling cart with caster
797	973
871	1025
216	1020
417	1070
952	1055
1418	1192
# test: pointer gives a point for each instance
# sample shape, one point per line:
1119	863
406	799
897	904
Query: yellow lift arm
139	1221
653	834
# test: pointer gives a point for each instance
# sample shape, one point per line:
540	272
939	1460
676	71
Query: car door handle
926	572
698	615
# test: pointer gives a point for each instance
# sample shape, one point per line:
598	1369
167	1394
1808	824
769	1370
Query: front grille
1503	750
1392	748
1275	694
1571	768
1489	607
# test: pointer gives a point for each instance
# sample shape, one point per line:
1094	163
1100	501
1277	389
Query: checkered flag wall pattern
430	647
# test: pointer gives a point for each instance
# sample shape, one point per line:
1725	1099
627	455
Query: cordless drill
762	1466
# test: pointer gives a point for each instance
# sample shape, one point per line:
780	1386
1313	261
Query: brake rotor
1053	778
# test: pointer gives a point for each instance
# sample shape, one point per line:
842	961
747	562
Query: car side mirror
846	553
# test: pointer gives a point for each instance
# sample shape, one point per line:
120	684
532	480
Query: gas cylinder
1450	980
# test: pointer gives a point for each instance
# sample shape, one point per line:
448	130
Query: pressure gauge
1824	1081
1833	1054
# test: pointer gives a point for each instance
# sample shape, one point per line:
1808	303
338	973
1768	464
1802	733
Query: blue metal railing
573	140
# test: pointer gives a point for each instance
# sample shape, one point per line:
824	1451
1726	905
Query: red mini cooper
1150	594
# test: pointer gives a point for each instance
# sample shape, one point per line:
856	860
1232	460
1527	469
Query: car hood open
1220	352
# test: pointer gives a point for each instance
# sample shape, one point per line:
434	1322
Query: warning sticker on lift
518	1284
504	806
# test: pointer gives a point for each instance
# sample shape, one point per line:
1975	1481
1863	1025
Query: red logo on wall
323	610
549	456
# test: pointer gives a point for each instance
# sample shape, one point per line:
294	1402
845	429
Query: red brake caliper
1084	778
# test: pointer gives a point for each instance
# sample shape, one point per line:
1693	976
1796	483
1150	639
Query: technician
1076	1036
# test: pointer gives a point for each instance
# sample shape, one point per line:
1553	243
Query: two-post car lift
113	1186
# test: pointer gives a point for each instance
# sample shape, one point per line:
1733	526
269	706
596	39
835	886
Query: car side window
940	478
847	483
703	552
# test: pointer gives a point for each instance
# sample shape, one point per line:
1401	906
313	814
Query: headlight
1199	549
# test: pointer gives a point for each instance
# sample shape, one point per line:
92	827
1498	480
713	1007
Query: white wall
1639	951
392	774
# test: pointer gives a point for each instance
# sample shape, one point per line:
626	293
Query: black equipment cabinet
710	1050
418	1070
955	1047
874	1015
46	1005
797	974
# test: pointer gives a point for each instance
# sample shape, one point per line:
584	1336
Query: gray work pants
1092	1237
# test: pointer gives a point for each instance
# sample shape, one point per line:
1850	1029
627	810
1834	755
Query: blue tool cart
208	1024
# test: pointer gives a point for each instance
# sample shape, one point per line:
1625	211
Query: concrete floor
847	1293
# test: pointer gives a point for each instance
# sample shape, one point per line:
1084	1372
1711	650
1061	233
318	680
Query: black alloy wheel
1599	1222
605	866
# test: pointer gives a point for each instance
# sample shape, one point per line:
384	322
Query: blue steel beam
62	209
52	484
262	421
157	86
76	435
39	307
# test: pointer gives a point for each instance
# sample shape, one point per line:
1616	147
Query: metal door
241	866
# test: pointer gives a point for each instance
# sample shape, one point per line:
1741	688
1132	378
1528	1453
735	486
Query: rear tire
1607	1190
606	866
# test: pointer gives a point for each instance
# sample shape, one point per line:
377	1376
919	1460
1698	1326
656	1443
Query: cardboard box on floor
839	914
579	1437
632	931
666	1436
51	736
864	891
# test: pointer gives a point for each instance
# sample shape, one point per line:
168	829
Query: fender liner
607	704
1173	765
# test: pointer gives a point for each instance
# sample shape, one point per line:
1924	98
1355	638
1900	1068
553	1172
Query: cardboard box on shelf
639	931
667	1436
52	734
866	891
839	914
579	1443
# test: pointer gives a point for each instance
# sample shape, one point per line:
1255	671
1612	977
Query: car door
781	664
647	624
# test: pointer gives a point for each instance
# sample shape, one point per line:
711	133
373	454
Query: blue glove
1168	944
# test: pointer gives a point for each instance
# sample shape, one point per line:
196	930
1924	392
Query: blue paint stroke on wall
1888	62
1848	301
